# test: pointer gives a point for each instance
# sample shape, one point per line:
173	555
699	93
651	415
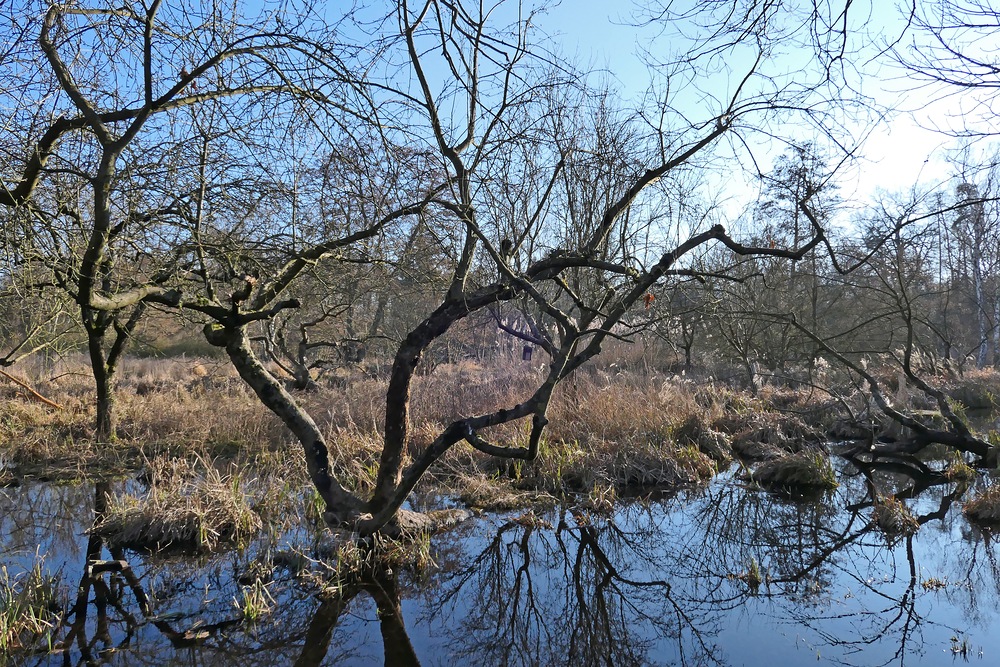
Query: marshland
392	333
664	518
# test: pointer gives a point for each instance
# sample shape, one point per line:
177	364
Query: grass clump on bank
352	562
609	436
492	494
958	470
804	473
894	518
565	468
30	610
984	509
189	505
771	435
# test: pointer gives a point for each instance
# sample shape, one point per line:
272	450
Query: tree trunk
343	508
106	422
980	313
397	420
397	400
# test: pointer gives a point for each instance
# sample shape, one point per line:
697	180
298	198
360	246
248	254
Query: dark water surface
659	582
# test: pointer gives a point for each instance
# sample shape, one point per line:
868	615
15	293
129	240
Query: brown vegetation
626	429
984	509
894	518
188	505
613	432
799	474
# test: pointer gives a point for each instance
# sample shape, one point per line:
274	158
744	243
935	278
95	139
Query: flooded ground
720	575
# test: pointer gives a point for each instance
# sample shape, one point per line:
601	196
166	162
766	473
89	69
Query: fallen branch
31	391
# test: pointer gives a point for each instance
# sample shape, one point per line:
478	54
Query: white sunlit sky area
910	150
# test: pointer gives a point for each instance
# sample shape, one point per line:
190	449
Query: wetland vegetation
624	541
386	331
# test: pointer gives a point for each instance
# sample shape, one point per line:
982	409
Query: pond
717	575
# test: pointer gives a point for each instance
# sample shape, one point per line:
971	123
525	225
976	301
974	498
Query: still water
661	581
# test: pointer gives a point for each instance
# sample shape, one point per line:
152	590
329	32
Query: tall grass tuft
984	509
894	518
803	473
256	601
30	610
190	505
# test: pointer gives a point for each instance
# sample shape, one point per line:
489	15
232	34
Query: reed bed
613	428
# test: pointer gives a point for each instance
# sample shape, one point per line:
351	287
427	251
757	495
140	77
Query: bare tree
533	187
472	94
894	291
946	51
99	135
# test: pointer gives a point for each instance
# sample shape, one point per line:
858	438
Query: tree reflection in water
177	609
572	594
658	583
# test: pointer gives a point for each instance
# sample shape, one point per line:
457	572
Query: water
659	582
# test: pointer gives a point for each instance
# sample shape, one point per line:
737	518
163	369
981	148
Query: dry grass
454	391
623	409
958	470
617	431
489	493
189	505
351	562
894	518
984	509
609	428
771	435
799	474
164	407
31	432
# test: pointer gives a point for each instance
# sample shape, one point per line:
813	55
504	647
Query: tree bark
343	507
105	419
397	400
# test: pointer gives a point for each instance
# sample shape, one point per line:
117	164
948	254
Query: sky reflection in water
661	582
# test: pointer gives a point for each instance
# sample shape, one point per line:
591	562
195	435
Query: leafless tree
467	88
945	50
106	106
443	123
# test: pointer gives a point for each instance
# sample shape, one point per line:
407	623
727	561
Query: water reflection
382	586
569	594
660	582
666	582
122	607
